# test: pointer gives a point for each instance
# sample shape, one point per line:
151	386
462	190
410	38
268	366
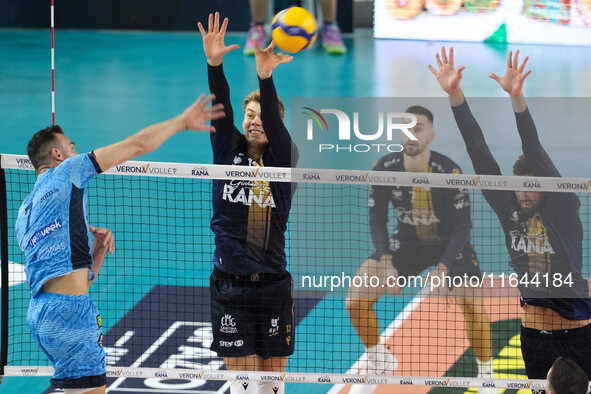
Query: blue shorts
68	328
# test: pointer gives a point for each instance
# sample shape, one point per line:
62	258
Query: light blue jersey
52	228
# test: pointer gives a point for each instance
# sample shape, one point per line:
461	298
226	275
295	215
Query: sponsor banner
353	177
189	374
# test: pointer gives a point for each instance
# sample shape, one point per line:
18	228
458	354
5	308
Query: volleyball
293	29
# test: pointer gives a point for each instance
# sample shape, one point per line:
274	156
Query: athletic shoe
257	34
332	39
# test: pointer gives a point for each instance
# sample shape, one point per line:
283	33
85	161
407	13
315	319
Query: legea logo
388	123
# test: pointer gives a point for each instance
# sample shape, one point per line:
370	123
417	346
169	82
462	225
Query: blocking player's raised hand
447	75
213	40
266	59
512	81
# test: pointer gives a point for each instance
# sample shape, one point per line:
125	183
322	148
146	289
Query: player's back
51	226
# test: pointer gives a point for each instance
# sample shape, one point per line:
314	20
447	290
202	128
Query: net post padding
4	272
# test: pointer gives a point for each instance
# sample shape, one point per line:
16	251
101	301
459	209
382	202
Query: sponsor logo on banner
228	325
24	164
29	371
190	375
199	171
45	231
294	379
213	376
406	382
270	378
459	383
574	185
437	382
377	381
476	182
311	176
421	180
256	174
489	383
367	177
524	385
242	377
161	374
324	379
532	184
355	380
123	373
147	168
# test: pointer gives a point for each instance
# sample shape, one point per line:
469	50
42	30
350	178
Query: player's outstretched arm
512	81
213	40
103	243
150	138
279	139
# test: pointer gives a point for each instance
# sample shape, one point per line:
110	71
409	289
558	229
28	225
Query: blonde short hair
256	96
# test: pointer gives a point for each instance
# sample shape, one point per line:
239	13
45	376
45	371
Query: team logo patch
99	321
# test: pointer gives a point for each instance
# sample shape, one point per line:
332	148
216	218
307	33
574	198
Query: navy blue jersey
425	216
551	240
250	217
52	226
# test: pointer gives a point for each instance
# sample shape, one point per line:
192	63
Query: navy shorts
252	314
412	258
541	348
68	329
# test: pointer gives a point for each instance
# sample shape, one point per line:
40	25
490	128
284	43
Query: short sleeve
83	168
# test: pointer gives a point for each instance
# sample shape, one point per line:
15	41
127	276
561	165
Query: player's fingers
495	77
210	24
216	23
201	29
211	129
271	46
231	48
91	228
509	59
526	74
522	67
439	64
451	56
224	26
443	55
218	114
516	60
461	71
432	69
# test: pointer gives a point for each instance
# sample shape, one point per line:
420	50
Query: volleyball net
154	297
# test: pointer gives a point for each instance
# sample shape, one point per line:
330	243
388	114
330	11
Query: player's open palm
447	75
266	59
213	40
512	81
198	114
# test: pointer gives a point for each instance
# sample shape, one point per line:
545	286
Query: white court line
153	348
388	332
